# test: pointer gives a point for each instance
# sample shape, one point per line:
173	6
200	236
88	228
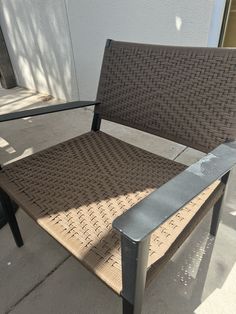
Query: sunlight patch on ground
221	301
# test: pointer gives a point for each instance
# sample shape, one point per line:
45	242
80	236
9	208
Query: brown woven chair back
187	95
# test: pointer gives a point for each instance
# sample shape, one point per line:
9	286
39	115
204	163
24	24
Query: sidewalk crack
36	286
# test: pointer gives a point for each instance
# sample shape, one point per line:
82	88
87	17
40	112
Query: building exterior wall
182	22
37	36
217	17
56	46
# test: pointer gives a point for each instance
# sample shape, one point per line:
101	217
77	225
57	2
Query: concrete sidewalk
41	277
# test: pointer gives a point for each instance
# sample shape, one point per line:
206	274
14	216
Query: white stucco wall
216	22
37	37
56	46
176	22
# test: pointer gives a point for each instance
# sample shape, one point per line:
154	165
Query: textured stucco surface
182	22
43	36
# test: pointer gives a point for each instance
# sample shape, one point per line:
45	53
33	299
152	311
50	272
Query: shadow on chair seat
76	189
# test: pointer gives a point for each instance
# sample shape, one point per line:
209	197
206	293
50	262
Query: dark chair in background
7	76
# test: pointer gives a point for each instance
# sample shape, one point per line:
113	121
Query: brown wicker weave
76	189
184	94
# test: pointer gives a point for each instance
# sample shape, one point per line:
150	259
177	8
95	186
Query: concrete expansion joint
37	285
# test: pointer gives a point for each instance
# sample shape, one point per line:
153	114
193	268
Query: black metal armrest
46	110
145	217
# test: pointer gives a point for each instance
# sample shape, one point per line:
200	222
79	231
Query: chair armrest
146	216
46	110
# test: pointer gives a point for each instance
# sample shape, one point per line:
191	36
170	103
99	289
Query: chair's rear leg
127	307
216	217
11	218
134	271
217	209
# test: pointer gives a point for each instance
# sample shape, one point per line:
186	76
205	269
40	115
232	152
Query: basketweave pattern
184	94
75	190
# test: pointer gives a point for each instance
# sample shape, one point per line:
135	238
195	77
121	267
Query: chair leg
134	270
128	308
216	217
217	209
11	218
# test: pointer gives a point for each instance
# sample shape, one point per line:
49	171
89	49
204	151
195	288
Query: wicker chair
120	210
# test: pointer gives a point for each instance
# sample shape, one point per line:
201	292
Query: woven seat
76	189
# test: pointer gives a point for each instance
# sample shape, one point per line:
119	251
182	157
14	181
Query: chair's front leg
10	216
134	257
